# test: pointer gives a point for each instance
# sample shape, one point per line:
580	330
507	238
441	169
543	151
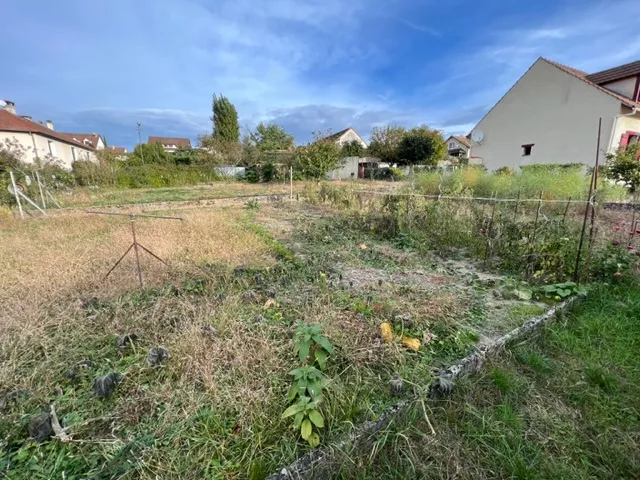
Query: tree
352	149
385	142
225	120
421	146
269	136
150	153
623	166
318	157
213	151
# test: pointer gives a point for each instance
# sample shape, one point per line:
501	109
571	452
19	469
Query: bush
149	175
623	167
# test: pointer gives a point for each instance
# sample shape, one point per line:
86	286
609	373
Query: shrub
623	167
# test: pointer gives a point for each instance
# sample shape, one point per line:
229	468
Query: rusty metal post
589	204
515	210
135	247
566	209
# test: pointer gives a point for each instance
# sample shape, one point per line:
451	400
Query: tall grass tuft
554	183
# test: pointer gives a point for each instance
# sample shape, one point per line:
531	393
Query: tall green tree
385	142
269	136
225	120
421	146
352	149
318	157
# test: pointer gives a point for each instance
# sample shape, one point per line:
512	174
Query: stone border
320	463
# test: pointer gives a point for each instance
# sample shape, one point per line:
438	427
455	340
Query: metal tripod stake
136	245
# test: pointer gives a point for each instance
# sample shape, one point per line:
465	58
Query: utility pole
140	143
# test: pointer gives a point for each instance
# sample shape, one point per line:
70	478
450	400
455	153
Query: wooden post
291	183
15	193
515	210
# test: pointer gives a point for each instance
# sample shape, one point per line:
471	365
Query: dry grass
47	258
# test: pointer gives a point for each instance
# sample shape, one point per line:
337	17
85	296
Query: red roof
177	141
117	149
585	78
10	122
616	73
89	139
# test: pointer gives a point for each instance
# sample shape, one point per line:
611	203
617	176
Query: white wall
350	136
347	170
623	124
551	109
624	87
37	146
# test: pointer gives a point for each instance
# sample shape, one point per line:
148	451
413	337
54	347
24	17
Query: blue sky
101	66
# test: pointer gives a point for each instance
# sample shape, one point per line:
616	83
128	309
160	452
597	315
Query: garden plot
198	364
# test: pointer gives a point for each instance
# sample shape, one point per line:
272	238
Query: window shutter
624	141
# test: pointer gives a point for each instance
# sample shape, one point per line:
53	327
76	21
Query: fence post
15	193
515	210
566	209
291	183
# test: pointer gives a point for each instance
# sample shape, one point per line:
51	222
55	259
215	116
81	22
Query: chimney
50	125
10	106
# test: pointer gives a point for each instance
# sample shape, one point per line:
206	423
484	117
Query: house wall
456	144
624	87
350	136
623	124
37	146
551	109
348	169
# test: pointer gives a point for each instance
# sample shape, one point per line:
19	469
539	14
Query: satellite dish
477	135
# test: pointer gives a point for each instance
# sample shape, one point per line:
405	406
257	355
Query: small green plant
252	204
559	291
312	349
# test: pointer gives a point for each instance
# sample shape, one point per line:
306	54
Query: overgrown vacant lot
562	405
225	311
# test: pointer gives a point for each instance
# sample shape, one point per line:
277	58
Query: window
452	145
526	149
73	153
52	148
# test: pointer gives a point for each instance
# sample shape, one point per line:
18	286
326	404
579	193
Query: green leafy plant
558	291
312	349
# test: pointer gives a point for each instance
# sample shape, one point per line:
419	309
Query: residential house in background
352	167
38	141
170	144
117	149
90	139
551	115
458	146
346	136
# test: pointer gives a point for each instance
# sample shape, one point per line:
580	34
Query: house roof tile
462	139
177	141
616	73
10	122
117	149
584	77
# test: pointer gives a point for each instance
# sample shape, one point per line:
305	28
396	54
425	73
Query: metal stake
135	245
589	204
44	205
566	209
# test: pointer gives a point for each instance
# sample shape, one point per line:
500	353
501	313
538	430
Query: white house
458	146
39	142
346	136
170	144
551	115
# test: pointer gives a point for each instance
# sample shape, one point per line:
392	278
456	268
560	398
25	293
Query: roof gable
336	136
582	76
460	139
177	141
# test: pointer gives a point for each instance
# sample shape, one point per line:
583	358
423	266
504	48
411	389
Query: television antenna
136	245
